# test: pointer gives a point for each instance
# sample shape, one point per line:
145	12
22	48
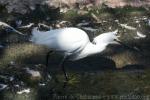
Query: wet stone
32	76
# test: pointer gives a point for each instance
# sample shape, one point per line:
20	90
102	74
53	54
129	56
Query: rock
42	84
12	63
89	6
34	74
127	27
1	46
83	24
90	29
31	76
149	22
82	12
95	17
27	26
2	86
64	10
23	6
139	35
24	91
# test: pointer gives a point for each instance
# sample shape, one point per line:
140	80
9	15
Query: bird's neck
91	49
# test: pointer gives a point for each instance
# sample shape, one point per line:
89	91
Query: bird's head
107	38
112	38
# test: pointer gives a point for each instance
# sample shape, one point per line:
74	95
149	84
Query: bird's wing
65	40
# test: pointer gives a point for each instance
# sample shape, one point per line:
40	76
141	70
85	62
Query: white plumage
72	42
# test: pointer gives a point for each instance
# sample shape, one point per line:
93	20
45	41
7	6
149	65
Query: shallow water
120	74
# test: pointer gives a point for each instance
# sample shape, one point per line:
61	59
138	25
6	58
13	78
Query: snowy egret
73	43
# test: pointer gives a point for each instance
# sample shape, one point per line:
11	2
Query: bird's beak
128	47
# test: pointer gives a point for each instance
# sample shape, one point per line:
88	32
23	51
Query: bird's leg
63	67
47	57
46	69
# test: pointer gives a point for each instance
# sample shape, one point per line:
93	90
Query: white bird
72	43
